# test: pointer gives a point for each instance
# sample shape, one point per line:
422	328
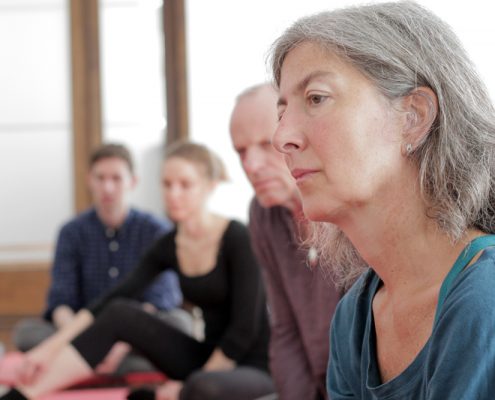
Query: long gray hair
401	46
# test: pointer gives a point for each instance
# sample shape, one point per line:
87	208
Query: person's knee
30	332
121	318
201	386
179	319
116	308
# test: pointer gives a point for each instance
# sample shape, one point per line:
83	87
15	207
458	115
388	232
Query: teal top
458	360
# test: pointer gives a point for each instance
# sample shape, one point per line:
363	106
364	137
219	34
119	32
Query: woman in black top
217	272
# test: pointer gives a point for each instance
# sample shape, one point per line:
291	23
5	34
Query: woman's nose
172	192
286	138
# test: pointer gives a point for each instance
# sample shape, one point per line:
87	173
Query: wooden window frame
86	84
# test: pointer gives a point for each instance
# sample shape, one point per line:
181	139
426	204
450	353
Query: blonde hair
199	154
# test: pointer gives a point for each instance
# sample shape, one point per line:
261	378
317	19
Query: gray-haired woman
390	135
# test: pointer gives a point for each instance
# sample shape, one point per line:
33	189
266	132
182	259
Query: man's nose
253	160
108	185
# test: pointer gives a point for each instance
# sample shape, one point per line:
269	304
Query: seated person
99	247
301	302
390	135
217	271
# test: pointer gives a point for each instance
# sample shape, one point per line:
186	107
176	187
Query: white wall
35	141
228	44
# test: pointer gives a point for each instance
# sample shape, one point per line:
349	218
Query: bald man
301	302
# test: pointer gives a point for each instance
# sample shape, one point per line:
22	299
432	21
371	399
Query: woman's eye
267	144
316	99
242	153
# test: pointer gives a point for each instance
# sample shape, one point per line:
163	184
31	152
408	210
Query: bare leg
67	368
114	358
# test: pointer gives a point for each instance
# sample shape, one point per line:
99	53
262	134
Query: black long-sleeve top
231	295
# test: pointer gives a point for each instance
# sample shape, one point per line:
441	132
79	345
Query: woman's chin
315	215
320	214
176	217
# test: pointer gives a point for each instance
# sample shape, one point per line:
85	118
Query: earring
409	148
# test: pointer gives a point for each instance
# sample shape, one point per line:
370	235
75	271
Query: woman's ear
212	186
421	109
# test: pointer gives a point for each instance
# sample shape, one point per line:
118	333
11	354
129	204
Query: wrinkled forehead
326	54
254	119
311	63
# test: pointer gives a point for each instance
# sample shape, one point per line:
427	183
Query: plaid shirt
91	258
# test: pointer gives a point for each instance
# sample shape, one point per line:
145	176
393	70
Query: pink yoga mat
8	366
89	394
11	360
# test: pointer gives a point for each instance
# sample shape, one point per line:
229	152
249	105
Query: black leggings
241	383
170	350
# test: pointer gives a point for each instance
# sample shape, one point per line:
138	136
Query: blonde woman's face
185	188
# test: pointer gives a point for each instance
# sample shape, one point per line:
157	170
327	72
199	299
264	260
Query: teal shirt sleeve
346	335
461	362
338	386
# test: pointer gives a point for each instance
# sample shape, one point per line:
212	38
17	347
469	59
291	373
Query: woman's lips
301	174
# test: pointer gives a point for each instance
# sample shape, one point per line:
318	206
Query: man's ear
421	109
134	181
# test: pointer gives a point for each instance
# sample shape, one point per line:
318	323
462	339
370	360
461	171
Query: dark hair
112	150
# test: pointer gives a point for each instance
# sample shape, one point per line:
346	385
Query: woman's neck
406	249
197	225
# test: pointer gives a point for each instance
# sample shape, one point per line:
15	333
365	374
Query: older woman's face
341	137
